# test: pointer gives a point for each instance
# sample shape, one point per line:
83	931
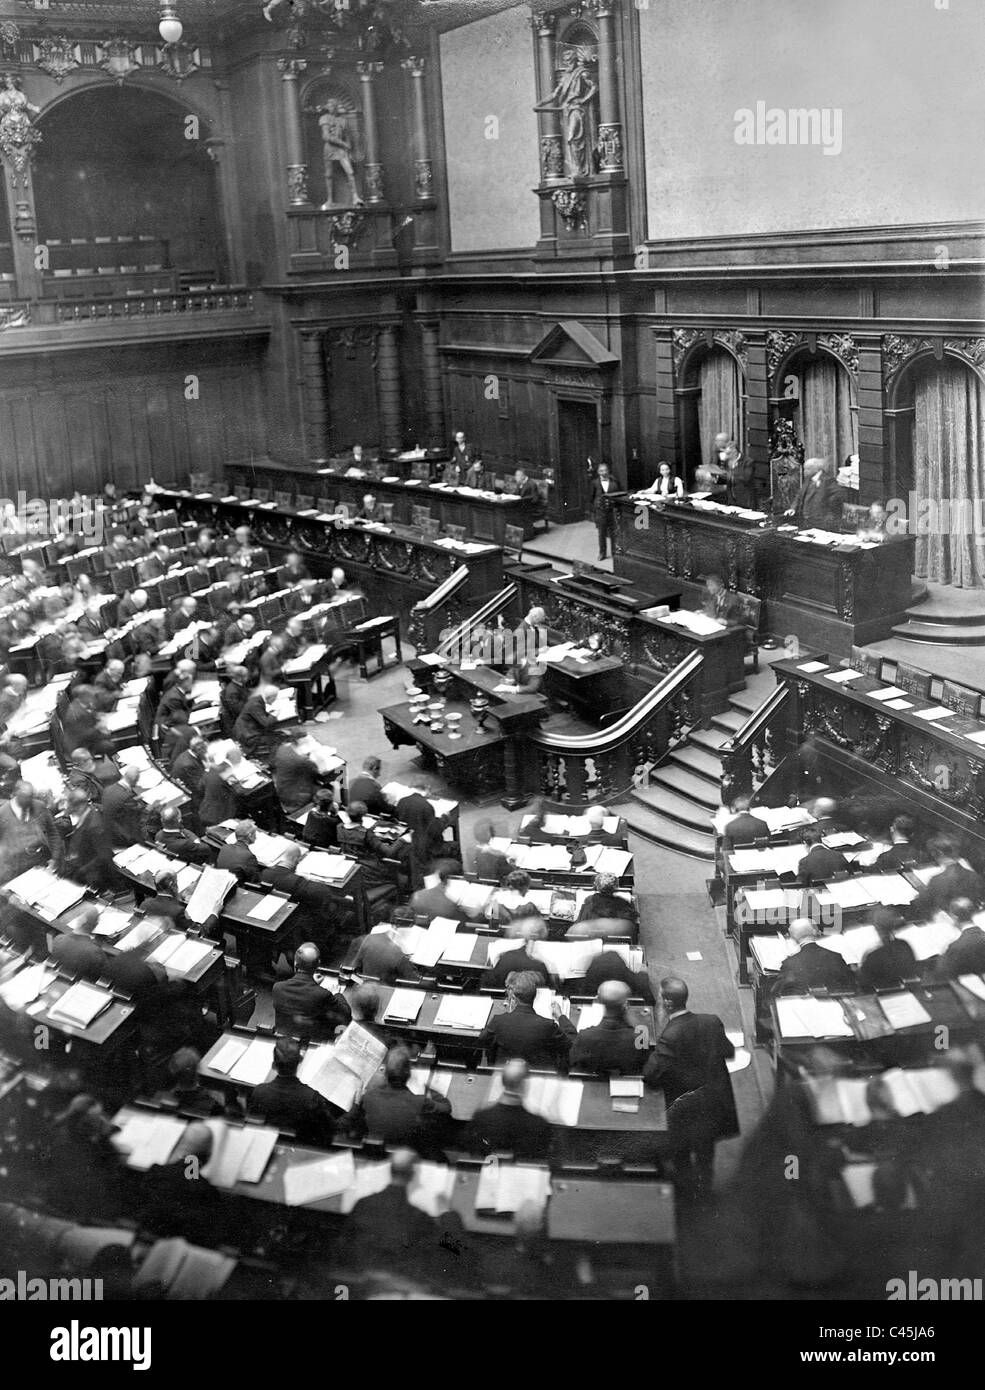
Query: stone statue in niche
575	97
338	148
18	134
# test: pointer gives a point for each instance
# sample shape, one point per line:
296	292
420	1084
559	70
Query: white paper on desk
149	1139
228	1055
935	712
606	859
459	947
305	1183
404	1005
891	692
843	677
188	955
929	939
361	1052
974	983
851	945
771	951
167	948
891	890
463	1011
903	1010
80	1004
542	858
812	667
470	897
899	704
589	1016
812	1018
142	933
431	1188
626	1086
26	985
846	894
842	839
567	959
112	921
371	1179
558	652
256	1063
319	864
266	908
555	1099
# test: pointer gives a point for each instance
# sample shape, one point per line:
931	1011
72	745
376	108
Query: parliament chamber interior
492	710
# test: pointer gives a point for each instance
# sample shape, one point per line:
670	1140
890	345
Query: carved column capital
291	69
368	71
414	65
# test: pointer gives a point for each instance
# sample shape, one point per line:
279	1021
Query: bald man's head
514	1077
612	995
803	929
306	958
596	817
673	993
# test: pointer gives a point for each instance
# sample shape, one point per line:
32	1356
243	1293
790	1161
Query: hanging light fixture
170	28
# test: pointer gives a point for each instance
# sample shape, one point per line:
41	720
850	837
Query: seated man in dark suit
605	901
386	1231
185	1092
902	850
175	839
232	698
719	603
744	827
366	788
597	834
613	1046
954	880
288	1103
390	1111
966	955
301	1007
255	729
321	826
521	1032
366	1004
887	965
819	863
507	1127
609	965
530	929
379	955
812	967
432	900
165	901
237	857
689	1060
171	1205
189	768
317	914
486	861
76	952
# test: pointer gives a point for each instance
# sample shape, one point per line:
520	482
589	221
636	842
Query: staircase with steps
675	810
952	617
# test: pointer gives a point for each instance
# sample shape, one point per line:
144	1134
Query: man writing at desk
820	500
719	603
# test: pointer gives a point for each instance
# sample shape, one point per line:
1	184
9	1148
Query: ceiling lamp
170	28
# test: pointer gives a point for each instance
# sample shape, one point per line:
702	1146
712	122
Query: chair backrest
195	580
284	499
751	607
419	515
242	493
869	663
961	698
513	538
386	508
431	529
853	515
912	680
457	533
343	509
263	494
421	469
304	501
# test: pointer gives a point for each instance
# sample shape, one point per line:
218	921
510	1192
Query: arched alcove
711	401
114	164
818	393
939	415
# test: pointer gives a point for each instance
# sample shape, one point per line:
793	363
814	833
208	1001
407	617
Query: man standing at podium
820	500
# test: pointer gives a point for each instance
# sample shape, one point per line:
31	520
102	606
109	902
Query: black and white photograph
492	668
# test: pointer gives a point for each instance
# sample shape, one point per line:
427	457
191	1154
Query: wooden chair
913	680
751	608
961	699
869	663
284	500
540	517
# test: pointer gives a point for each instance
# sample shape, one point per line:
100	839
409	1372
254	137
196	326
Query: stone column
423	172
297	168
434	401
314	387
548	122
373	176
610	126
388	386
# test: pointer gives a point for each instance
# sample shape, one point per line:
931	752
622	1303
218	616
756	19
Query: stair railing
752	752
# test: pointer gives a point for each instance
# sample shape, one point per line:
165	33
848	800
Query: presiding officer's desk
485	515
395	565
830	595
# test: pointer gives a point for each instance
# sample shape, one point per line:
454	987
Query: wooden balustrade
752	753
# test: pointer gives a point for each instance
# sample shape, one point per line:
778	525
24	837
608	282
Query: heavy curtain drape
949	463
828	418
720	404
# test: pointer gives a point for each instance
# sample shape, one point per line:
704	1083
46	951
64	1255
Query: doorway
578	441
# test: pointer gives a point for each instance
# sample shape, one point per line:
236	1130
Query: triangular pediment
570	344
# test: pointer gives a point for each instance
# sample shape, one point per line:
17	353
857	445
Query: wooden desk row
396	568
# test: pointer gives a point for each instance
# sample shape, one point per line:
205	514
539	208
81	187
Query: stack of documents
79	1005
505	1188
240	1153
466	1012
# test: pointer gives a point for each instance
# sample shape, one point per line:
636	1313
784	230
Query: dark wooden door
578	441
